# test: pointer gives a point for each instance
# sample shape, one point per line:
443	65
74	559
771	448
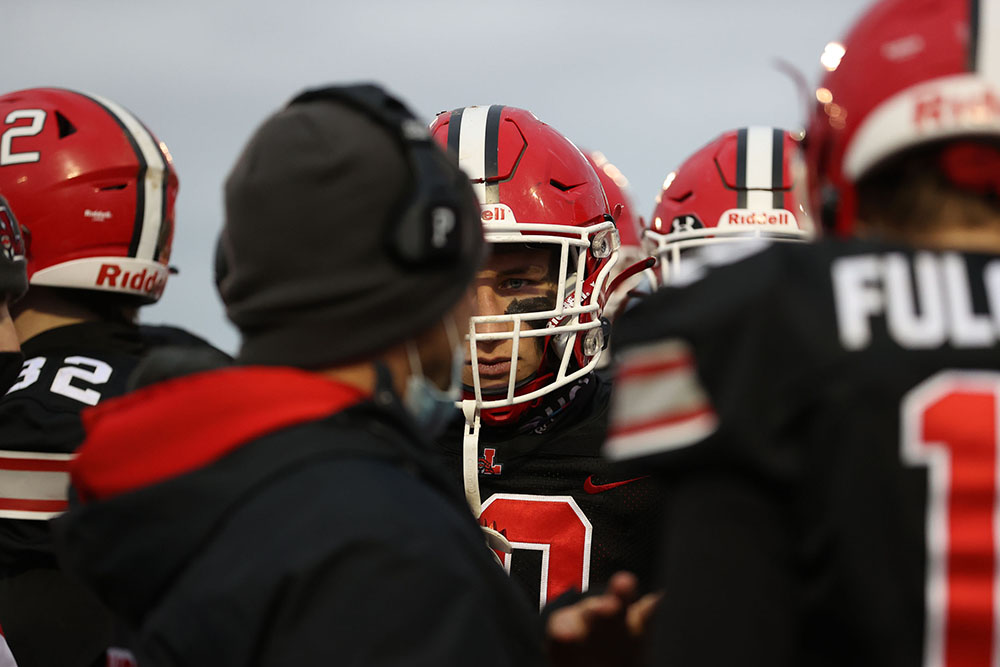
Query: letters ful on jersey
926	302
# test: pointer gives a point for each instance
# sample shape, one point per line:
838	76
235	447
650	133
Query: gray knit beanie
326	255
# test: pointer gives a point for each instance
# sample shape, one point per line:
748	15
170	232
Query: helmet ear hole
66	128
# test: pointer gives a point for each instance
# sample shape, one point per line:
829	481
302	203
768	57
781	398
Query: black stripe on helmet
492	153
741	168
974	22
778	168
454	131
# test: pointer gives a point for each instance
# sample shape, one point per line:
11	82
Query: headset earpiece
426	229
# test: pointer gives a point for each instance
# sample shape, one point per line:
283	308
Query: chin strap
470	477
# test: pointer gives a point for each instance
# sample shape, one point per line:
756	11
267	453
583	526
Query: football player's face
516	279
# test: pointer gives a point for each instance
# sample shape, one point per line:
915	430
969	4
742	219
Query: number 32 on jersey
556	527
82	369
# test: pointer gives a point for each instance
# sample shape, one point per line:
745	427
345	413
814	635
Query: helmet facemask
566	325
669	248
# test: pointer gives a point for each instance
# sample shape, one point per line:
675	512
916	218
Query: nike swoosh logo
591	488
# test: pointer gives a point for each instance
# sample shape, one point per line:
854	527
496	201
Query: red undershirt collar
177	426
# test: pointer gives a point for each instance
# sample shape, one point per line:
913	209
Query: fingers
638	614
624	585
576	622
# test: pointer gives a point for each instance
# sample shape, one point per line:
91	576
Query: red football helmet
744	184
910	72
629	229
536	188
615	188
93	189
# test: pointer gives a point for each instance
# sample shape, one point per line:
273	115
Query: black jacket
273	517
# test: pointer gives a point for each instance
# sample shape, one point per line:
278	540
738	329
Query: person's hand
601	629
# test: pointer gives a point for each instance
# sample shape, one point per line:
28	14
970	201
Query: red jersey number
553	525
950	426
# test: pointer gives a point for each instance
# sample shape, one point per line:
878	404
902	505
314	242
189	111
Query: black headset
425	229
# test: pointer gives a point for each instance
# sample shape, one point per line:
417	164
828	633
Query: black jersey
825	418
65	370
47	617
571	516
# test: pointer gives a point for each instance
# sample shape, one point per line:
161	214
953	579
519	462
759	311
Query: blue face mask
431	407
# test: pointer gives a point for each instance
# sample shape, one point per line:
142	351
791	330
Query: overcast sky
646	82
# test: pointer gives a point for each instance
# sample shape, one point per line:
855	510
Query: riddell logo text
112	275
759	219
97	216
935	110
496	213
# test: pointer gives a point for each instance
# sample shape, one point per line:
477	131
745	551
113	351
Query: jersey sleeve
707	371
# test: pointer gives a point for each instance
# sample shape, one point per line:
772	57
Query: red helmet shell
736	172
616	189
93	189
516	160
909	72
746	182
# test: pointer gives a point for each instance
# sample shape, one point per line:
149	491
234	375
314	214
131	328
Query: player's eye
514	283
